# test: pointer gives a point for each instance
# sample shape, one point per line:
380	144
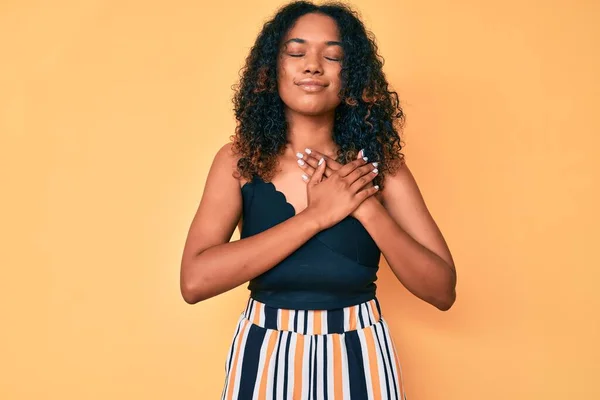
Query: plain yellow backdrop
111	113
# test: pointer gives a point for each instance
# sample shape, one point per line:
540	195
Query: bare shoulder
401	185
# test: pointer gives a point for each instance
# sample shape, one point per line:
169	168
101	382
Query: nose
313	65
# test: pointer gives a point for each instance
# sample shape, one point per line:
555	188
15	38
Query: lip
311	85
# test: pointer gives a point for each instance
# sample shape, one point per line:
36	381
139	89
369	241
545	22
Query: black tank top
335	268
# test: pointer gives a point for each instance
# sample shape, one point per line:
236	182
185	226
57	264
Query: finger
351	166
365	179
318	175
310	162
308	170
331	163
366	193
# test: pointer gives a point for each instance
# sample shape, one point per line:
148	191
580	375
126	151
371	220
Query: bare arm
411	241
212	265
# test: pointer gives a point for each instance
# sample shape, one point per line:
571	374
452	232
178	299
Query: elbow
448	300
191	289
189	296
447	303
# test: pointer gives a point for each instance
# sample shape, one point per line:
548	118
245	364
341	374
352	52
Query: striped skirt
281	354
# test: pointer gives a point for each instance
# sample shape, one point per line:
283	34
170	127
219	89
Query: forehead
314	28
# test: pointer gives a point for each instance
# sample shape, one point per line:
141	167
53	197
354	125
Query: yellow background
111	112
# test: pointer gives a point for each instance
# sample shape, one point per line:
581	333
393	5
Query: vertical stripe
296	321
231	355
247	311
345	354
286	367
345	368
231	350
233	383
356	373
285	320
361	316
271	317
325	363
373	305
310	322
336	364
366	367
352	318
311	381
298	367
249	369
335	321
316	364
276	367
317	322
331	360
324	323
387	368
393	358
306	368
262	362
374	363
304	320
270	372
256	316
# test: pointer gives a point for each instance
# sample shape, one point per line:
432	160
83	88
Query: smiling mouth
311	85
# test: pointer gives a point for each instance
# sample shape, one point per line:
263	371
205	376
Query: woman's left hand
309	162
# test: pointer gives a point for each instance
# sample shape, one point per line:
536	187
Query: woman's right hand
336	197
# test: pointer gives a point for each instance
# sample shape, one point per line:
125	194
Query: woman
313	104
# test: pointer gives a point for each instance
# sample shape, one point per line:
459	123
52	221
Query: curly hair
369	116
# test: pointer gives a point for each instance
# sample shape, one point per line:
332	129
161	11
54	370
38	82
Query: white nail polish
308	151
299	155
375	171
321	160
305	177
301	162
376	187
366	158
375	164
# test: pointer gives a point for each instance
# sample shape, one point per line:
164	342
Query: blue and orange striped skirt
281	354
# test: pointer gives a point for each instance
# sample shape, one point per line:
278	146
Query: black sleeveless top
335	268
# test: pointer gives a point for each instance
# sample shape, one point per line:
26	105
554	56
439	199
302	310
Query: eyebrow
302	41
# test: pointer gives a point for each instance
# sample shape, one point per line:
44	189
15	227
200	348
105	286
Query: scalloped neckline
274	188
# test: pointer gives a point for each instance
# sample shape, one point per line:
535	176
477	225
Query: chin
313	110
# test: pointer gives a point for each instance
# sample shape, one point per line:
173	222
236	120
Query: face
309	66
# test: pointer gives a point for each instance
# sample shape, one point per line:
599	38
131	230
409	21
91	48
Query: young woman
318	185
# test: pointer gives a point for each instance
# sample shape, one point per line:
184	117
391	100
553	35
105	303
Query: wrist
367	210
310	221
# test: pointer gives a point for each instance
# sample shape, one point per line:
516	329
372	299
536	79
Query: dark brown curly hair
369	116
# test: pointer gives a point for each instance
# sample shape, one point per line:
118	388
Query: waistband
314	322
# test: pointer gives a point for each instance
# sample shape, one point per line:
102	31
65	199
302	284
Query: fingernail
375	171
321	160
376	187
375	164
308	151
305	177
362	152
299	155
366	158
301	162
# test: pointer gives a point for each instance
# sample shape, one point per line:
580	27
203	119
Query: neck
313	132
